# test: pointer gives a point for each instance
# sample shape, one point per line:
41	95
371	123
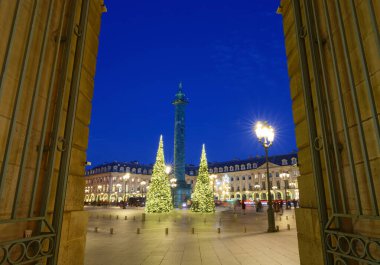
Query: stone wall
73	237
308	218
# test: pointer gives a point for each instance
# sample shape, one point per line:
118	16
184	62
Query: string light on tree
202	197
158	197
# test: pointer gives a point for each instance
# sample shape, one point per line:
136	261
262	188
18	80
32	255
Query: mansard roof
191	169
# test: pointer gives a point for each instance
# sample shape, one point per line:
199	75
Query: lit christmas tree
202	197
158	198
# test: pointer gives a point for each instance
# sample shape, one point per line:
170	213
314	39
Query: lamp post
265	134
142	183
125	178
285	176
212	178
173	185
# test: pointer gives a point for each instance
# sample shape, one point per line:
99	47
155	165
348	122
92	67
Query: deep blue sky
230	56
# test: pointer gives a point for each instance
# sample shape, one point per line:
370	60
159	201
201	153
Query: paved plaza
186	238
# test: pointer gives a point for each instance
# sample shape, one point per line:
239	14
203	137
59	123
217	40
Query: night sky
230	56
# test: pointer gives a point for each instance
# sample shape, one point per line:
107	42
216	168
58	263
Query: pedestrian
236	202
243	206
259	206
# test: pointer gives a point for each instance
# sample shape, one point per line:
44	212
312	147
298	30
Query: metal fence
39	129
343	122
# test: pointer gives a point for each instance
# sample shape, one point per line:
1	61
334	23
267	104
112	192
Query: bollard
193	230
126	218
138	231
96	229
117	217
166	231
287	218
245	229
288	226
277	228
111	231
143	217
218	230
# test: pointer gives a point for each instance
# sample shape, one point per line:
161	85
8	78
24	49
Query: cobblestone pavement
170	239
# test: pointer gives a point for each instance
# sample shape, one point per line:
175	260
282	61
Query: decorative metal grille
343	149
39	127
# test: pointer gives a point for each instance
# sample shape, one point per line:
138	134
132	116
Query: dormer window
249	166
231	168
284	162
294	161
242	167
215	170
237	167
254	165
225	169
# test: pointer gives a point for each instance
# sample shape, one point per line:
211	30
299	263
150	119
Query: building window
237	167
250	177
243	178
215	170
115	168
232	179
237	178
121	169
277	174
133	170
145	171
270	175
150	171
210	170
231	168
128	169
254	165
139	170
249	166
278	184
191	173
242	167
284	162
225	169
263	185
294	161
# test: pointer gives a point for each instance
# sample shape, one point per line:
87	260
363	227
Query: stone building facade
236	179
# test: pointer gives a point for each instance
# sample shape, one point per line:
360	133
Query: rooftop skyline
231	60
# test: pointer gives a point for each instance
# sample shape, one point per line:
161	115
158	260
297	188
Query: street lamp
125	178
265	134
173	185
212	178
285	176
142	183
168	169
